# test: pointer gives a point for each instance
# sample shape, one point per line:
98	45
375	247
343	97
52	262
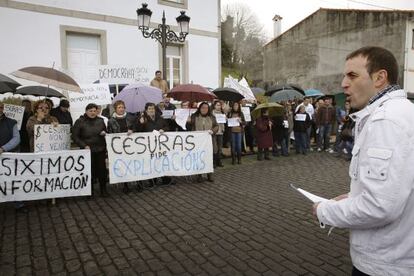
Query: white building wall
34	38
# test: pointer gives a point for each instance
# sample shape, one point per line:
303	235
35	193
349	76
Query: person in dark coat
264	135
280	132
9	142
89	133
122	122
24	136
62	113
149	121
301	124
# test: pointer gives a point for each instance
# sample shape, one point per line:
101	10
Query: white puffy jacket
380	208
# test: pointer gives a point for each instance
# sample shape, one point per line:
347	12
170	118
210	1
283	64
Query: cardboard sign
142	156
32	176
50	138
14	112
246	113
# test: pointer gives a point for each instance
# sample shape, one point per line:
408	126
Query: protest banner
51	138
98	93
14	112
181	116
141	156
123	74
32	176
246	113
92	93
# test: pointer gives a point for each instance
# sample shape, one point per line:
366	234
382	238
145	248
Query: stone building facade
312	53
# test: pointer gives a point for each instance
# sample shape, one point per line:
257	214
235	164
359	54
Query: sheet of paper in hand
220	118
167	114
300	117
233	122
312	197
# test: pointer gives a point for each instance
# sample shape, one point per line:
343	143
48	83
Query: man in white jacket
379	209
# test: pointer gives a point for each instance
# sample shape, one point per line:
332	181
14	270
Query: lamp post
163	34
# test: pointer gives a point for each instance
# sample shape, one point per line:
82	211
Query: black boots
266	154
210	177
233	158
239	158
259	154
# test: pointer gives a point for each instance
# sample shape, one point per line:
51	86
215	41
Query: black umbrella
38	90
280	87
228	94
7	84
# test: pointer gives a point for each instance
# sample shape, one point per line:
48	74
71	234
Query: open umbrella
39	91
136	95
257	90
7	84
285	95
228	94
313	93
191	92
280	87
48	76
275	109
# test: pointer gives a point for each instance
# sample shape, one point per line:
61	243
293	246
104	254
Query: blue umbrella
136	95
313	93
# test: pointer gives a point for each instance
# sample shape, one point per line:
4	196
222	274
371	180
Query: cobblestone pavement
249	222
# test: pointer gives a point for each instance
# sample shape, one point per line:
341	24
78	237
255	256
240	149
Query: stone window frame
65	30
183	5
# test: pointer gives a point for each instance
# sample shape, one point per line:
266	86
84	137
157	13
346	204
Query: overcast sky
294	11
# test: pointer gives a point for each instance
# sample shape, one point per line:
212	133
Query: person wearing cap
62	113
379	208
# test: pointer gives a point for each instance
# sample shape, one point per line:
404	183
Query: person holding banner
121	122
89	133
236	123
203	120
218	137
41	116
9	133
149	121
9	141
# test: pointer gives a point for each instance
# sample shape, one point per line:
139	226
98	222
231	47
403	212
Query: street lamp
163	34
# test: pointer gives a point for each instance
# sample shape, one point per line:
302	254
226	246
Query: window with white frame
83	56
174	74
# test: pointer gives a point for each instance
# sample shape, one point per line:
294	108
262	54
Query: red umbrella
191	92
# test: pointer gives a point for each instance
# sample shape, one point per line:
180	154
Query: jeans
324	135
308	137
236	139
300	142
218	139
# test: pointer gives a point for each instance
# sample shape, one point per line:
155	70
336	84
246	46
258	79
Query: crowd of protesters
301	122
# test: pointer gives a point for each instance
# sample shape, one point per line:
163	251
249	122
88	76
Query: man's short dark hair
157	72
90	106
378	59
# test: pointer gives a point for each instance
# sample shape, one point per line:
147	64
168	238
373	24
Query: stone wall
312	53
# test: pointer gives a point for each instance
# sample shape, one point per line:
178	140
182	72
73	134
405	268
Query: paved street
249	222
